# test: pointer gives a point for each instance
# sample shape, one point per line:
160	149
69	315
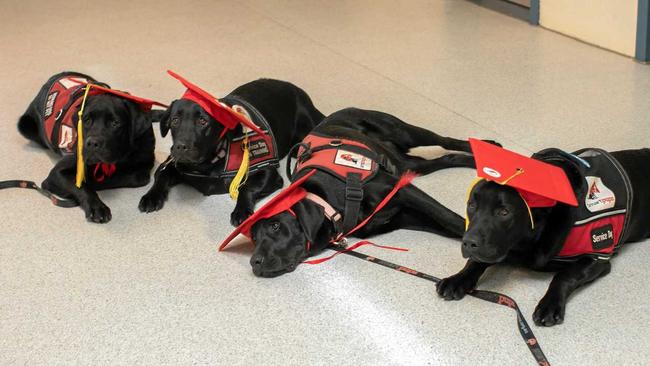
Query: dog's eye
203	121
503	212
275	226
115	124
175	121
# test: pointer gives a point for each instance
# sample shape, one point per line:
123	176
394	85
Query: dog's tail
28	127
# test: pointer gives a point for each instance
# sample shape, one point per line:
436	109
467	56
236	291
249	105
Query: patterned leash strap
493	297
57	201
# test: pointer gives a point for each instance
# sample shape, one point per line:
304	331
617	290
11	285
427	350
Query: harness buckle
336	143
353	193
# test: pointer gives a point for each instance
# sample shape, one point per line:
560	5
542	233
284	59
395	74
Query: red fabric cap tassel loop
103	171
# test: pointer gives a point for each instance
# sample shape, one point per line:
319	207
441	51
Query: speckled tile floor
152	289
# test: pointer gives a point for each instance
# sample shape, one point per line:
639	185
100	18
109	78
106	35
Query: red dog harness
604	198
352	162
63	99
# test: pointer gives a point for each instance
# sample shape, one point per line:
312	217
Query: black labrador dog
500	228
118	148
285	239
200	155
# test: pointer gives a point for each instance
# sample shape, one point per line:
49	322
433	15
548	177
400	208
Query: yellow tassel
242	173
81	166
469	191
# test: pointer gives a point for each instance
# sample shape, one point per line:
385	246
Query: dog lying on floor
118	144
345	167
208	141
534	219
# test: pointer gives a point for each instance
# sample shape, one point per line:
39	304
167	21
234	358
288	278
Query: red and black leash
57	201
490	296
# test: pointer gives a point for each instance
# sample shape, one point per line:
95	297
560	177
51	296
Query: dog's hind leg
423	166
422	212
28	127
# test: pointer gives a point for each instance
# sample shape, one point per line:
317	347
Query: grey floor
152	289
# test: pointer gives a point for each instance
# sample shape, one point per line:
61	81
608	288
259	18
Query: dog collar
330	212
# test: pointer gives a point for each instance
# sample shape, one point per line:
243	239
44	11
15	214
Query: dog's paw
549	312
454	287
98	212
493	143
239	215
151	202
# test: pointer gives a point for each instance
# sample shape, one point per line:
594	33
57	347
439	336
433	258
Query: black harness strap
57	201
353	197
493	297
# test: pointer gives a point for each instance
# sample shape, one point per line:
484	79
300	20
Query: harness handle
288	171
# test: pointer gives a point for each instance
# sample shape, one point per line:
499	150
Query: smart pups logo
599	197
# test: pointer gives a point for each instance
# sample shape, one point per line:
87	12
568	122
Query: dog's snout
92	143
470	243
180	147
256	263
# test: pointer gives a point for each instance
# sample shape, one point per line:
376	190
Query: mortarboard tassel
81	166
242	173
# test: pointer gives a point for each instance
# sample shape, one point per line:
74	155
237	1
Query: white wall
609	24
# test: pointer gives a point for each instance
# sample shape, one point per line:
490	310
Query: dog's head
196	134
498	220
111	127
283	241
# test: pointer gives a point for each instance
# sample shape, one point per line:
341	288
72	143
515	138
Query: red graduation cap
145	104
540	184
280	203
220	112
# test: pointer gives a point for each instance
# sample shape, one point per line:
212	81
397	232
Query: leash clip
341	243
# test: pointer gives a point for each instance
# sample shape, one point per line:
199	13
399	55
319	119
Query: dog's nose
179	147
470	244
92	143
257	260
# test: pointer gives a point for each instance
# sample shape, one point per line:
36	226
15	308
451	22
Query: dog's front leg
258	185
166	176
551	308
456	286
61	181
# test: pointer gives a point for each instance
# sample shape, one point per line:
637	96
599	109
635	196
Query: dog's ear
163	118
311	218
140	121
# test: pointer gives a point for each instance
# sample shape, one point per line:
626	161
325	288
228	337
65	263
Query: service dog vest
350	161
58	125
338	157
263	152
604	198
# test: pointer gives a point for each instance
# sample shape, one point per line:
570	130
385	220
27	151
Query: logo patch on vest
353	160
599	197
49	104
258	149
602	237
